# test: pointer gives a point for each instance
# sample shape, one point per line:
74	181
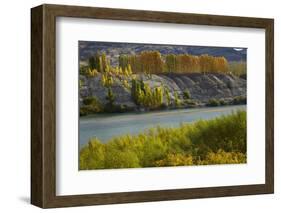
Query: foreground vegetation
218	141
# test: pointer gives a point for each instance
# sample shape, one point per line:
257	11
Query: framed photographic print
136	106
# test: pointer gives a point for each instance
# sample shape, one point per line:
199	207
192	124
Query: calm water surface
106	126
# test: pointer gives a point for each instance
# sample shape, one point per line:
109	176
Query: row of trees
189	63
145	62
153	62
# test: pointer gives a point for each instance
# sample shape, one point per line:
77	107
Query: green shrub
186	94
83	69
175	160
222	157
190	102
91	105
120	159
177	100
92	156
222	102
239	100
213	102
227	133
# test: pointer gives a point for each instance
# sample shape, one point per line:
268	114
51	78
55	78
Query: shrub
110	97
83	69
93	156
177	100
91	105
190	102
222	102
239	100
226	132
213	102
186	94
175	160
154	150
222	157
120	159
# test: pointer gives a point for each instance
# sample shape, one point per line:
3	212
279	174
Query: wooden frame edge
43	174
36	106
269	137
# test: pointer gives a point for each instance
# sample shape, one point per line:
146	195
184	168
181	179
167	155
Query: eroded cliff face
202	88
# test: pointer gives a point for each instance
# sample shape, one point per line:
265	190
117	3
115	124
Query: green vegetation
218	141
220	102
98	62
186	94
213	102
167	96
177	100
91	105
107	80
110	99
238	68
146	97
239	100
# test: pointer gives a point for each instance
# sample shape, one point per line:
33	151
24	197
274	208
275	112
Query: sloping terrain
202	88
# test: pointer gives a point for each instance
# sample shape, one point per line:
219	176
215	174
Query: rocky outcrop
92	87
202	87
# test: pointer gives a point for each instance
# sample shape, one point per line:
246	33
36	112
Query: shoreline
107	126
166	111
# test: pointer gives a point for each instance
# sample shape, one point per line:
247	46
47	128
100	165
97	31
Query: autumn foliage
152	62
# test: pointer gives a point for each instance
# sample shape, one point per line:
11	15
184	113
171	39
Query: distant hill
113	50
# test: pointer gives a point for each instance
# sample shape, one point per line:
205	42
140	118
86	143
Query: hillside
113	50
181	90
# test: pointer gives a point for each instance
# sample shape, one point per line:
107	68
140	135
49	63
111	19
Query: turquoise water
106	126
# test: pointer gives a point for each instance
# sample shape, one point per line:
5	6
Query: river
106	126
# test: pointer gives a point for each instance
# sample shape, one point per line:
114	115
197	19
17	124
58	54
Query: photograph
161	105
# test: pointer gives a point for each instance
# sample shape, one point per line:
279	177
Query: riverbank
143	92
106	126
221	140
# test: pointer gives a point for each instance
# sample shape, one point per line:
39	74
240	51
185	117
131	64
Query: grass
205	142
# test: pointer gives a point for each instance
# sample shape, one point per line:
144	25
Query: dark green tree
186	94
94	62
